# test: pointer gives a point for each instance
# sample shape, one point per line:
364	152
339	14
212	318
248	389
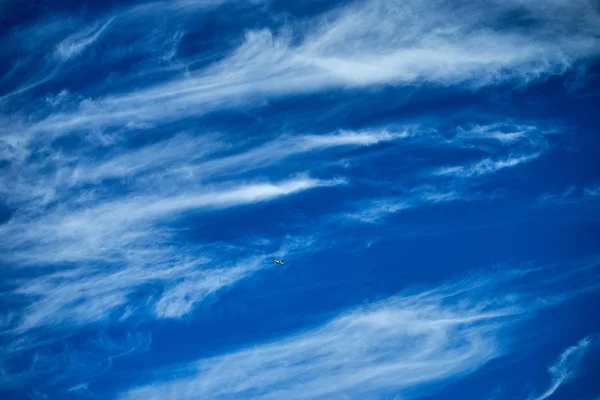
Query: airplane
280	262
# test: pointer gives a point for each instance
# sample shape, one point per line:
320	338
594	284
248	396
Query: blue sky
428	171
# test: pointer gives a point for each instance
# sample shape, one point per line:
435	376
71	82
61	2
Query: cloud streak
83	360
375	211
101	165
79	388
511	144
574	194
360	45
117	245
97	231
485	166
568	364
182	159
403	345
75	44
98	240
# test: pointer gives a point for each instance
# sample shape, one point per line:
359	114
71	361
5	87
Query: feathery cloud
574	194
98	231
568	364
397	346
358	45
375	211
75	44
486	166
97	212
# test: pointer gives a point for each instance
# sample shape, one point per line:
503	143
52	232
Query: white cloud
127	234
363	44
375	211
76	43
107	244
506	134
181	148
568	364
592	191
521	143
486	166
82	360
97	231
49	47
574	194
180	299
115	244
89	295
395	346
182	160
123	234
93	293
149	208
557	198
277	150
79	388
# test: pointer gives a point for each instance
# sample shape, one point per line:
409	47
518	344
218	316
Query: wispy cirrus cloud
375	211
95	199
523	143
183	158
72	226
155	175
396	344
574	194
49	47
396	43
506	134
403	345
147	284
99	230
179	299
21	361
79	388
279	150
117	245
75	44
568	364
486	166
510	144
116	242
592	191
